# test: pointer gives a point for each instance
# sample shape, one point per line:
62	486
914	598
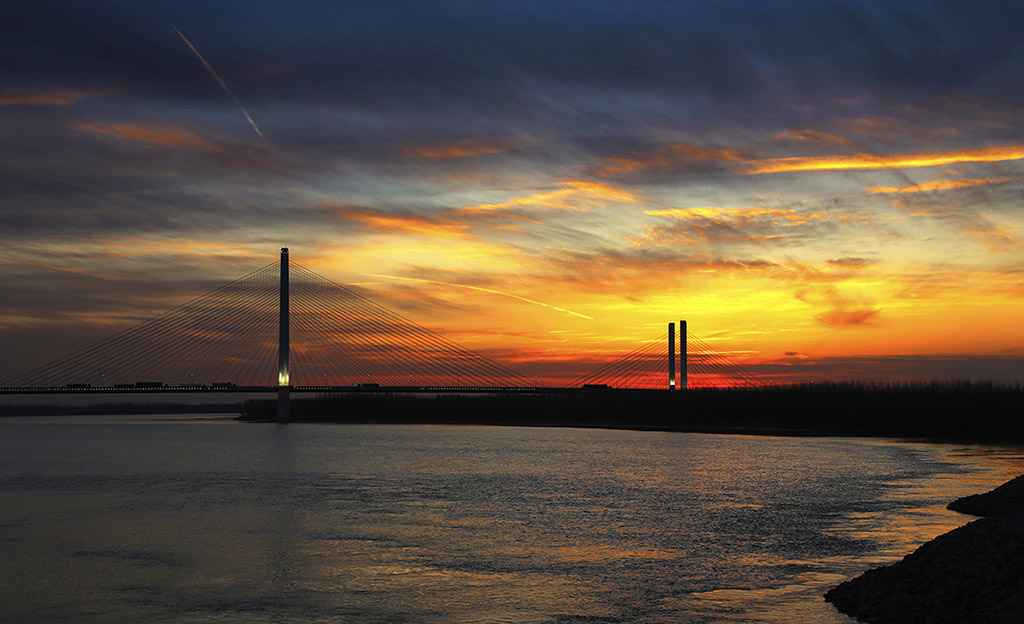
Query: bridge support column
682	355
283	379
671	356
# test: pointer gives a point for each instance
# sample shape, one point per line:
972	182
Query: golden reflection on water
445	525
897	535
894	534
763	604
600	553
901	533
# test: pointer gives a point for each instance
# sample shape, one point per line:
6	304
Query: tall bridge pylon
323	335
283	378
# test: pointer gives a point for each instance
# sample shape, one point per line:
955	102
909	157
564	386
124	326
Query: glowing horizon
854	217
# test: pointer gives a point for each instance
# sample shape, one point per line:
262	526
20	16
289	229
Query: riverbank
119	409
972	574
958	412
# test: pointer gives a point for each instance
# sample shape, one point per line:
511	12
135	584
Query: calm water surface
191	520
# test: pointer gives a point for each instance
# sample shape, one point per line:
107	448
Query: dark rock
971	574
1006	499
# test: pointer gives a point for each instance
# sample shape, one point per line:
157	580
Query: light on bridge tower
283	381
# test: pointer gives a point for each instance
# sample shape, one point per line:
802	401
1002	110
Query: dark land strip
959	412
119	409
953	412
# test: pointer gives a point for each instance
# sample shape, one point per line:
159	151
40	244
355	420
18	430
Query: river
193	519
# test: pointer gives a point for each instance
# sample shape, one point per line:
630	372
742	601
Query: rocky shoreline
972	574
1007	499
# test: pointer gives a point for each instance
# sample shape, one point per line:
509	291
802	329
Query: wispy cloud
996	232
811	137
444	224
669	156
892	161
409	224
981	228
937	185
850	262
845	314
745	215
76	270
575	195
461	149
746	162
486	290
48	96
822	289
644	269
883	128
759	225
160	134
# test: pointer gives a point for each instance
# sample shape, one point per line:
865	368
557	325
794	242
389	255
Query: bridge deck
295	389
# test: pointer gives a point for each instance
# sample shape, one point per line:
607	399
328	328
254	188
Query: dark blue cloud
343	87
428	51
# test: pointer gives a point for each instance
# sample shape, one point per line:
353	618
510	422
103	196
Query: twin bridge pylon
329	337
700	365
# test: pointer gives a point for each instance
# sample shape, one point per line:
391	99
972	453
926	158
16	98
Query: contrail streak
219	81
486	290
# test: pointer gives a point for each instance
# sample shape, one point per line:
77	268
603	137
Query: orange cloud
676	153
813	137
627	164
72	269
876	127
637	270
790	216
462	149
981	228
486	290
821	289
937	185
844	317
892	161
574	195
711	225
691	152
48	97
125	247
850	262
164	135
403	224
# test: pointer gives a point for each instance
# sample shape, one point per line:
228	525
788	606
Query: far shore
956	412
952	412
121	408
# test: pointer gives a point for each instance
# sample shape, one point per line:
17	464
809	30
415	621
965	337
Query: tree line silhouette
953	410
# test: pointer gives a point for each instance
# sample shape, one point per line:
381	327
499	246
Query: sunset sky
823	190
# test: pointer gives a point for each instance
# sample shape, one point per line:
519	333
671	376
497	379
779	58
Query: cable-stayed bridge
286	328
650	366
